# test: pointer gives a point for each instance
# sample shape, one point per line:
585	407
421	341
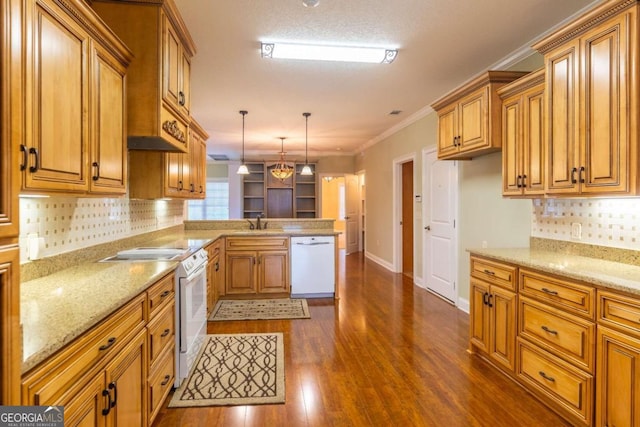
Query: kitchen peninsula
73	303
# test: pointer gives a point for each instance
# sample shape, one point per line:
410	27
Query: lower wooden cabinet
215	273
257	266
119	372
618	361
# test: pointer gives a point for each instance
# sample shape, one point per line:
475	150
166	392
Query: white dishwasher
313	266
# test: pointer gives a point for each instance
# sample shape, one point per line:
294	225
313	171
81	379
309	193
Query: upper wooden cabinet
159	79
157	174
592	102
469	119
75	101
523	136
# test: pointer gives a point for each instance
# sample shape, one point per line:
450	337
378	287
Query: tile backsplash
605	222
64	224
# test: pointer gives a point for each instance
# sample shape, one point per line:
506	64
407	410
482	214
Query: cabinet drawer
564	294
161	379
89	351
564	386
257	243
160	292
619	312
568	337
494	272
214	248
161	332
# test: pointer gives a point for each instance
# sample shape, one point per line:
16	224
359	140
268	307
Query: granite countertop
57	308
597	272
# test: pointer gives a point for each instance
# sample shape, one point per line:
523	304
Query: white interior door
439	212
352	196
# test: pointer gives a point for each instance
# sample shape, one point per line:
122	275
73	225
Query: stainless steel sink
148	254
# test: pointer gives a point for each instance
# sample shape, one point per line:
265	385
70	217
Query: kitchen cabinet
75	101
493	311
618	347
100	377
523	136
198	160
215	273
469	118
11	115
158	90
257	266
161	338
157	174
305	192
556	343
592	107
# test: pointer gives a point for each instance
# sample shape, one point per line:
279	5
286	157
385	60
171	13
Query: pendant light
306	169
281	170
243	170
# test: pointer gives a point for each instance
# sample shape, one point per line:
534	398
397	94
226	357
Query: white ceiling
442	43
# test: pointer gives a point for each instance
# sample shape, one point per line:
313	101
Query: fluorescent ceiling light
328	53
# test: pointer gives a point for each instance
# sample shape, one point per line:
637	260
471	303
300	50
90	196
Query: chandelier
281	170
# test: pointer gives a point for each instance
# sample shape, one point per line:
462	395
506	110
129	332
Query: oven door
192	319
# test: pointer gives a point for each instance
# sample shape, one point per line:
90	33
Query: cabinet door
562	120
606	95
618	382
126	381
10	337
58	158
447	131
85	409
511	147
171	63
184	95
472	121
502	327
533	141
241	272
108	148
174	180
273	271
479	317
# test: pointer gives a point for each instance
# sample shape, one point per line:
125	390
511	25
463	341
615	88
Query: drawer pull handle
166	380
166	332
113	386
549	331
549	291
489	272
109	343
164	294
546	377
485	297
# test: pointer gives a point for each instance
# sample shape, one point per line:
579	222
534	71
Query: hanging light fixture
281	170
243	170
306	169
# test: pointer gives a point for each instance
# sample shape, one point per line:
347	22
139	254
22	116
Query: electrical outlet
576	231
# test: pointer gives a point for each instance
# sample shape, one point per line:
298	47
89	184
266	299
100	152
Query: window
214	206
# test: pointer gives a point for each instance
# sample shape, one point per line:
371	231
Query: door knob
428	228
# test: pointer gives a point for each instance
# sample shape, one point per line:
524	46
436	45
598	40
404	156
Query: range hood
152	143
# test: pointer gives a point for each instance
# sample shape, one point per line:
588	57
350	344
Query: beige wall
336	164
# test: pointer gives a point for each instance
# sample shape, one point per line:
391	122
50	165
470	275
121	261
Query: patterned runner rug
260	309
235	369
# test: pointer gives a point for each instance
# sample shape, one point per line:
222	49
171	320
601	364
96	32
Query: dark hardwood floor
387	354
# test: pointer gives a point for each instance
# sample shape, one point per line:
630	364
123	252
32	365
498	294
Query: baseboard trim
379	261
463	304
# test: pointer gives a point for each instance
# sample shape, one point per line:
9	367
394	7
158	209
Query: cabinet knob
428	228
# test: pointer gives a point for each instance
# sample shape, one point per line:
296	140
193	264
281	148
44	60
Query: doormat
235	369
261	309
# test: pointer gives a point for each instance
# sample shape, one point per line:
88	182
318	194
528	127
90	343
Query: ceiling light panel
328	53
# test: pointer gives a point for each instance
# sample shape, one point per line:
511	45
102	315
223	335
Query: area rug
235	369
261	309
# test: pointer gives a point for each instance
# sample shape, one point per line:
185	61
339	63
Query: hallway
387	354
